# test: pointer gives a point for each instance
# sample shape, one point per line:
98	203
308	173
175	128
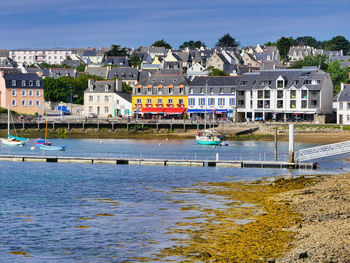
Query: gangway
322	151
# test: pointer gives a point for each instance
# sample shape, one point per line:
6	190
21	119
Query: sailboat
47	146
12	140
207	137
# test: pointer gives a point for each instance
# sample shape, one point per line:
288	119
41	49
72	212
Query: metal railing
322	151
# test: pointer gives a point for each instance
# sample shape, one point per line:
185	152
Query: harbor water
58	212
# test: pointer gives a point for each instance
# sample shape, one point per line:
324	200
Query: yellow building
161	95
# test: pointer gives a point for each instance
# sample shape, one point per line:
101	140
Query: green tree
308	41
126	88
135	60
81	68
116	51
318	60
161	43
338	43
338	74
192	44
218	72
283	45
270	44
227	41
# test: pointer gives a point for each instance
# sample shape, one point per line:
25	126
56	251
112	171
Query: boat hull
12	142
52	148
208	142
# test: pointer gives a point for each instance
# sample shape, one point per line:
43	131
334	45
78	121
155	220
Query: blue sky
133	23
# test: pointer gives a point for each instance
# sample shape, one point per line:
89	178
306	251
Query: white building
343	105
31	56
107	99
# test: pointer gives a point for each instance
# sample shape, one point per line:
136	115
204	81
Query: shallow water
108	213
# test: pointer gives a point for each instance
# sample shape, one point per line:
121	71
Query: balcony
170	105
138	105
159	105
180	105
149	104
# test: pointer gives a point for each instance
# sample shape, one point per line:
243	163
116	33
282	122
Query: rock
302	255
271	260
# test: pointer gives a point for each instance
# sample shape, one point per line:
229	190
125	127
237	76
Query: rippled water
111	213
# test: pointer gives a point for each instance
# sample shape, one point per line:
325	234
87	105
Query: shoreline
317	137
303	219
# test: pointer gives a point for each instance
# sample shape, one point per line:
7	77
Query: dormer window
280	84
23	83
211	90
106	87
153	80
174	80
162	81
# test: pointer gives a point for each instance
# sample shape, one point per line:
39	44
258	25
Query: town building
208	95
161	96
24	93
343	105
32	56
285	95
107	99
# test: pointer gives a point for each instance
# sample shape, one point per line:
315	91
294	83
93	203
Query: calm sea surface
109	213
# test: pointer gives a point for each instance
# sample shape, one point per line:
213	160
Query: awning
152	110
174	110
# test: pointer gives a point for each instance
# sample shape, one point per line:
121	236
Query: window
13	103
307	81
293	94
279	94
280	84
304	104
348	106
211	90
90	109
159	101
243	82
149	101
13	83
211	101
260	104
91	98
304	94
266	94
191	101
232	101
149	90
260	94
13	92
221	90
170	101
221	101
170	90
279	104
232	90
267	104
37	103
160	91
23	83
117	102
98	98
295	82
106	109
37	83
201	101
181	101
293	104
23	103
265	82
181	90
106	87
23	92
138	101
38	93
30	102
139	90
201	91
106	98
30	92
314	103
191	90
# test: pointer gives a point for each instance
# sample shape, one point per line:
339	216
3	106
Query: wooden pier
160	162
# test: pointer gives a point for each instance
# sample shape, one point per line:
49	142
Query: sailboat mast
46	133
8	120
205	103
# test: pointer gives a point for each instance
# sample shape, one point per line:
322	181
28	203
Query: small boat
208	137
41	142
46	146
12	140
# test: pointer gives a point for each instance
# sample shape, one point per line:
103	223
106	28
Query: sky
135	23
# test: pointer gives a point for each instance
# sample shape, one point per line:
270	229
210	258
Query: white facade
31	56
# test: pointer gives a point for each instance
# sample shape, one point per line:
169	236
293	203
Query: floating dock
159	162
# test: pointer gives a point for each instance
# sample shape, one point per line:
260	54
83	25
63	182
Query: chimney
118	85
342	86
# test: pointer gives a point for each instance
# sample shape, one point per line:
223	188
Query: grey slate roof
19	77
344	95
120	61
4	53
123	73
100	87
8	63
89	53
97	71
215	81
165	80
62	72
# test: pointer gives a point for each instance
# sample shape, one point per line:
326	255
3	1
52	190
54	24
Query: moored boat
12	140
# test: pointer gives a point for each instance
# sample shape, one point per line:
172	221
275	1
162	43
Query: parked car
92	115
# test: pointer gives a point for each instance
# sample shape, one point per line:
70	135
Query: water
41	203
